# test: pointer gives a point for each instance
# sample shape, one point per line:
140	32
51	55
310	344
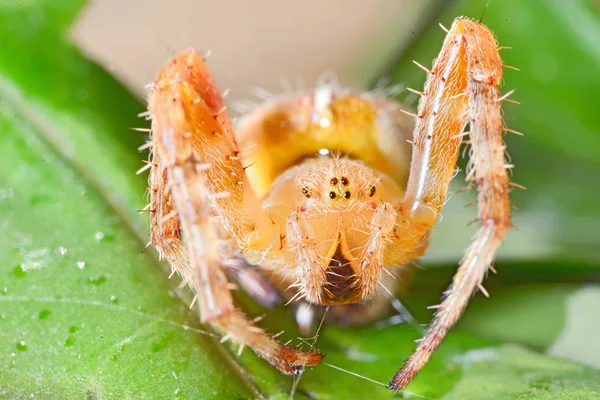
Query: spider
328	211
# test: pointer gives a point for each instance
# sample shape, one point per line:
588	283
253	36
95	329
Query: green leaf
475	361
513	372
85	311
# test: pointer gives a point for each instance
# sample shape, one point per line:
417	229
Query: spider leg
164	223
463	83
195	154
252	281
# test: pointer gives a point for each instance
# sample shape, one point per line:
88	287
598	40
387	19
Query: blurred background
255	44
85	311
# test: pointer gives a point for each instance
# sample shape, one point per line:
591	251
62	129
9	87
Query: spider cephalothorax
327	208
338	216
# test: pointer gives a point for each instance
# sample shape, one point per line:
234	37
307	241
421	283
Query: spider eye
347	195
334	181
344	180
332	195
372	191
306	192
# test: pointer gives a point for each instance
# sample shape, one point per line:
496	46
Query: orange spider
322	227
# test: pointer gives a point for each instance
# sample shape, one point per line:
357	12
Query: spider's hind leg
250	279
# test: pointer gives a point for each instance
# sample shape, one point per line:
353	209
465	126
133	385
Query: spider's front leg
197	173
461	87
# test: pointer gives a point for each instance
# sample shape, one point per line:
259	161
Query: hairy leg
462	86
250	279
195	156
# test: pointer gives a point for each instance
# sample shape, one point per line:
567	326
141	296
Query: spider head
332	205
